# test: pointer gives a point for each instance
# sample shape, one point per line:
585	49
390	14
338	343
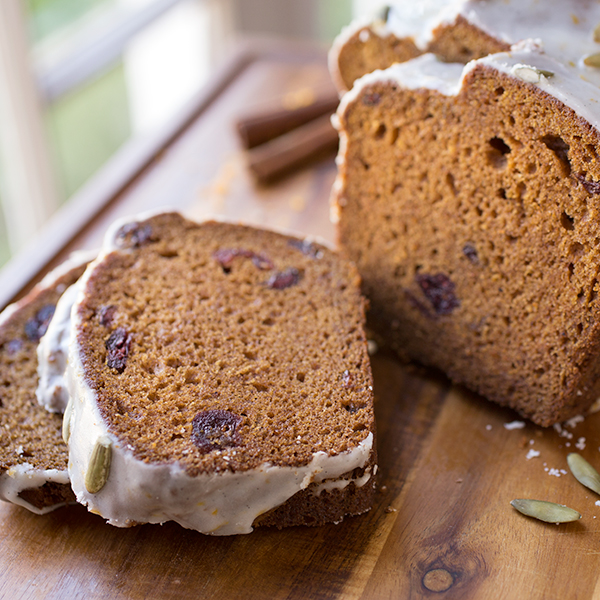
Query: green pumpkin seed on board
584	472
549	512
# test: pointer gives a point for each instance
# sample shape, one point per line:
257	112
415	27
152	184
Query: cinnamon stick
257	129
314	140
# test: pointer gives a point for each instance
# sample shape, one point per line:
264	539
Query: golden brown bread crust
365	51
475	224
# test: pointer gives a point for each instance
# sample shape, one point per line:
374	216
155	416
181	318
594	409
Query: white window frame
30	195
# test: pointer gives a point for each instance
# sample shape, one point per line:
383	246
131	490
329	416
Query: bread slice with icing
33	456
460	31
219	377
469	198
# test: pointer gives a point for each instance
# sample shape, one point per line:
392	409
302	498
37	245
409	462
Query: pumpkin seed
531	74
593	60
528	74
99	467
548	512
584	472
66	423
546	73
597	33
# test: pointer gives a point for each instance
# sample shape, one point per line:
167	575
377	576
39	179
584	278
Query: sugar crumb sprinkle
574	421
555	472
514	425
562	432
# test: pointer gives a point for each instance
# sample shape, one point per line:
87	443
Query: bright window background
155	74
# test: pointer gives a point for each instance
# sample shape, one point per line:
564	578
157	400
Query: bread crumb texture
225	347
474	221
28	433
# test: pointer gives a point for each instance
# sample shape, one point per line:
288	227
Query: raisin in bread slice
461	31
469	199
219	377
33	456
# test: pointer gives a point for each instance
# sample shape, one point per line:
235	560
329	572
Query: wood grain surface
442	525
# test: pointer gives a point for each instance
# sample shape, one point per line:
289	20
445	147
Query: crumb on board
372	347
562	432
532	454
514	425
574	421
555	472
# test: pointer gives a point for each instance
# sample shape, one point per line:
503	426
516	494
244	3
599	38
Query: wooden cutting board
442	525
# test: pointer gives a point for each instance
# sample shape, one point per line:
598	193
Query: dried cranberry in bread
469	199
219	377
33	456
460	31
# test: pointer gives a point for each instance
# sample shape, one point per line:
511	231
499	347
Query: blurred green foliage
332	16
48	16
87	126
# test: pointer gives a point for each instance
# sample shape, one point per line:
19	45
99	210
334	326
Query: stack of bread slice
216	375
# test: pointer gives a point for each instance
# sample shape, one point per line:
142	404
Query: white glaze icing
25	476
52	352
218	503
418	20
563	28
566	84
52	349
341	483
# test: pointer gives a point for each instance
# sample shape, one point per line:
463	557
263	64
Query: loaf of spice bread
33	456
219	377
460	31
469	198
